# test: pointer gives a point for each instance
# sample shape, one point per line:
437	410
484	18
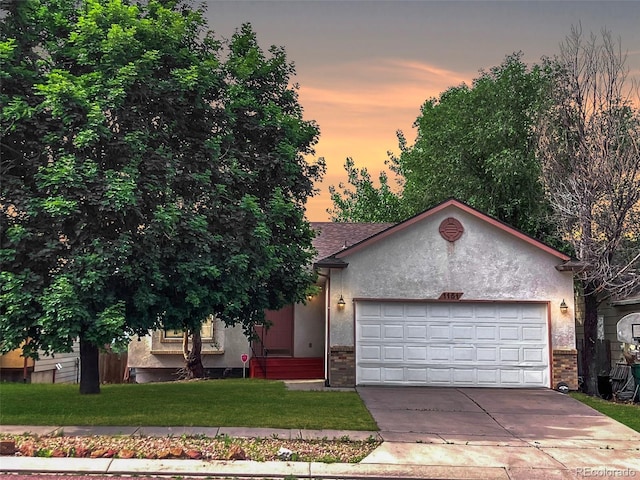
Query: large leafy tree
147	181
589	147
242	244
475	143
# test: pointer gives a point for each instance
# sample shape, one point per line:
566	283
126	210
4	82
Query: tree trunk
589	372
193	358
89	368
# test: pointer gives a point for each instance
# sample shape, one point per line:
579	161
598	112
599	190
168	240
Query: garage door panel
509	312
371	353
533	355
393	375
416	333
393	310
370	375
487	377
510	377
486	311
416	376
393	353
416	353
462	332
418	310
509	333
534	314
462	311
486	332
463	354
464	376
439	376
439	332
533	334
439	353
370	310
370	331
486	354
439	311
393	332
533	376
509	355
499	345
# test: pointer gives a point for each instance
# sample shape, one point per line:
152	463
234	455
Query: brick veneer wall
565	368
342	367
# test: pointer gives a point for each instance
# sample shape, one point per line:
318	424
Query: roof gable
393	229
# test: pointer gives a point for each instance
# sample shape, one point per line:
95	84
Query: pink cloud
360	111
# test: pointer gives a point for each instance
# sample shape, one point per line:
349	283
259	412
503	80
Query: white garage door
452	344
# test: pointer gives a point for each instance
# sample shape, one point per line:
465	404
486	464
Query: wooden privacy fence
113	367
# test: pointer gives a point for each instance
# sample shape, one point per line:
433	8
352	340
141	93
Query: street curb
242	468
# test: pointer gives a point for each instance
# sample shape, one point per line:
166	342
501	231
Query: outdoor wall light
564	307
341	302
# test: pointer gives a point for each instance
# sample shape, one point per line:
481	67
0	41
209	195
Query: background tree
589	148
135	166
475	143
363	201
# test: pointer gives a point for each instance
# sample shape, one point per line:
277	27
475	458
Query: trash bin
635	370
604	387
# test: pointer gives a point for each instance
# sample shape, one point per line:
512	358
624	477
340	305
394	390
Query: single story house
449	297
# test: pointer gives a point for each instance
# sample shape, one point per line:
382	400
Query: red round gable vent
451	229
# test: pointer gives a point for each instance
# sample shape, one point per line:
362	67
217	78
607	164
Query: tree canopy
363	201
589	148
475	143
151	176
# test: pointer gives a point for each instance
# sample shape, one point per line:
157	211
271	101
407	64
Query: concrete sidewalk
368	468
482	457
427	433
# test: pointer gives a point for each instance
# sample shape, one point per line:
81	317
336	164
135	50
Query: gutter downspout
327	317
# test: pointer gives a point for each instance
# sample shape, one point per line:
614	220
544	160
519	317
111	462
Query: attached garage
450	297
452	344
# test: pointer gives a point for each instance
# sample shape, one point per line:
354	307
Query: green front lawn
626	413
219	403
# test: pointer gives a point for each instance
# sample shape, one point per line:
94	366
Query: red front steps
285	368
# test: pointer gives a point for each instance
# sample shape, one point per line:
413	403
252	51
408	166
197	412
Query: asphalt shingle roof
333	237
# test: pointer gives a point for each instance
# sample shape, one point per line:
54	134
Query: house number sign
450	296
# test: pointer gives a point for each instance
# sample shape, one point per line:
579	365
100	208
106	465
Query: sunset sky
365	67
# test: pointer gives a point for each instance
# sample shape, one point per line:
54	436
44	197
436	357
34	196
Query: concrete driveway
525	433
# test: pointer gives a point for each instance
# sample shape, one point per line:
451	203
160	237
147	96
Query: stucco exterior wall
486	263
224	352
308	328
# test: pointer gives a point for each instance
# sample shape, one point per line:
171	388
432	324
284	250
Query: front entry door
277	339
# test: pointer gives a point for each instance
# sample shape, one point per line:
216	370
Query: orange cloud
360	113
